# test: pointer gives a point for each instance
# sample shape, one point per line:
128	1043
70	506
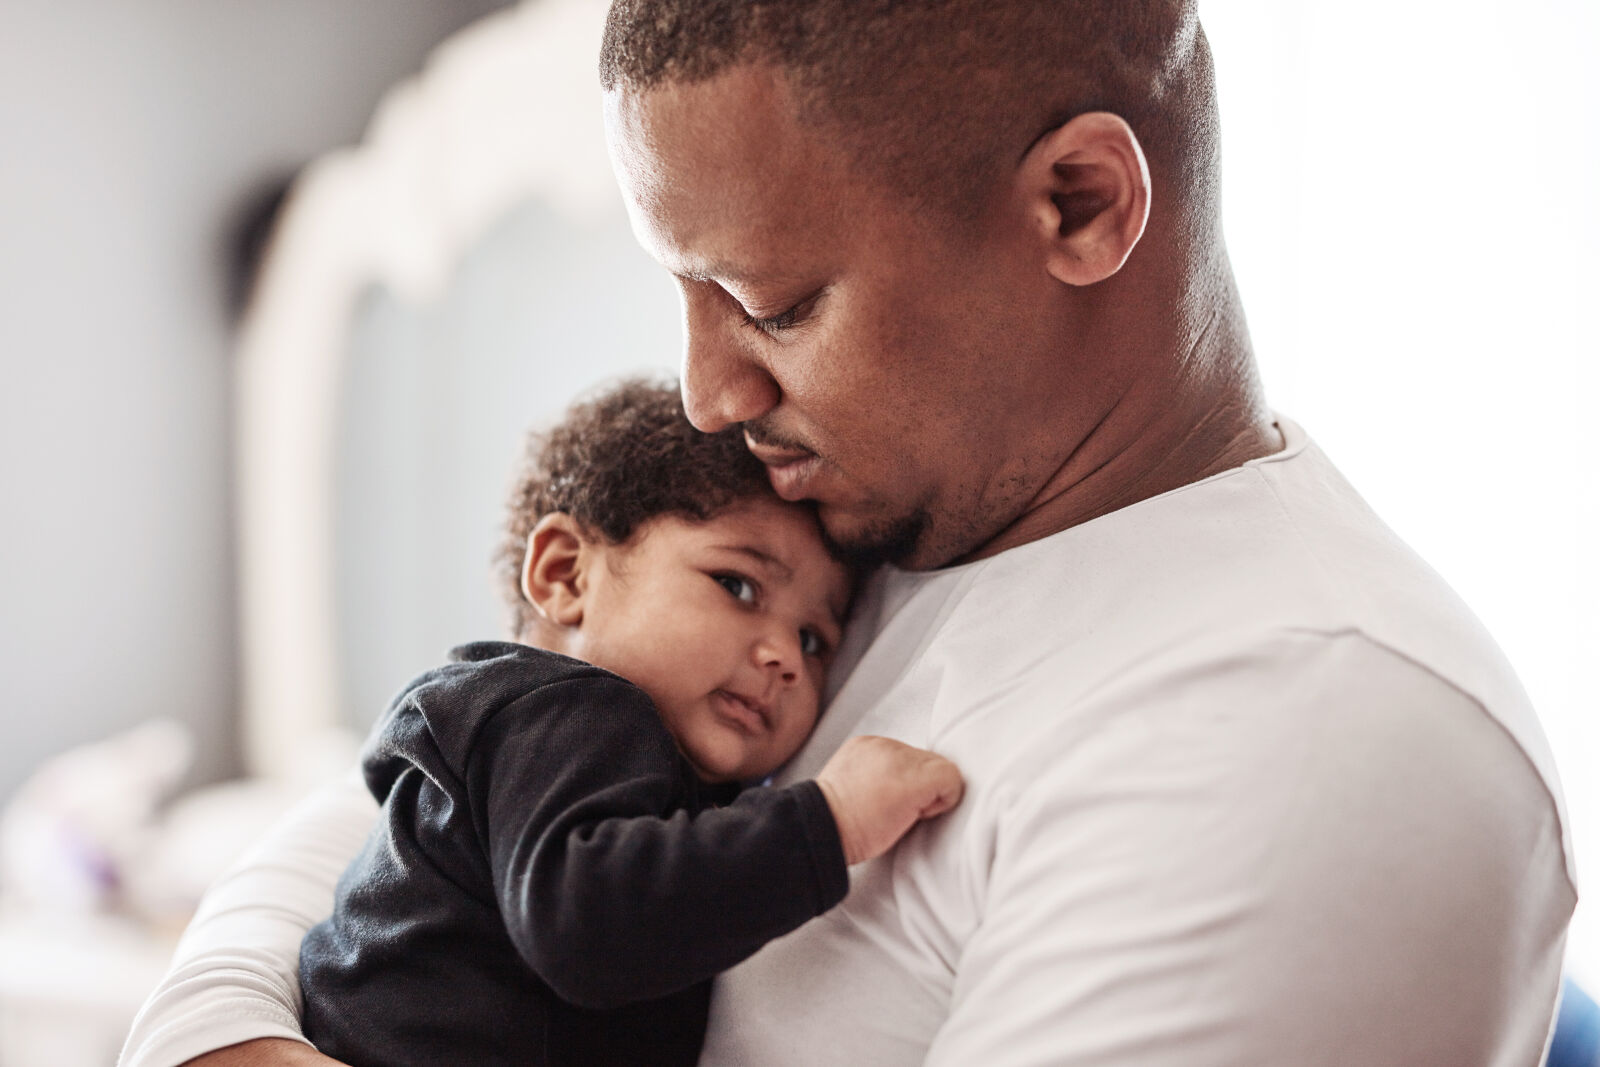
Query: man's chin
866	543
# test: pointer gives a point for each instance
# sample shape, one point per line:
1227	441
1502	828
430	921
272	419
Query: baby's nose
782	653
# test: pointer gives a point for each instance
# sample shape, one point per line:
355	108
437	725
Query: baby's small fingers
948	788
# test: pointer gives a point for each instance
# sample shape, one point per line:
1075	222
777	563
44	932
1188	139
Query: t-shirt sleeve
1323	855
611	890
233	977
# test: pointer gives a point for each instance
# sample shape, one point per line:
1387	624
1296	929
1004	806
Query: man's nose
722	383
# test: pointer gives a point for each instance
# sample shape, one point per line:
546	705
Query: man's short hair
616	460
937	95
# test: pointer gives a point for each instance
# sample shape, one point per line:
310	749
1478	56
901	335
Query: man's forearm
265	1052
233	978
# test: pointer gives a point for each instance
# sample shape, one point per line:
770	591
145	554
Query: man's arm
233	978
1361	869
264	1052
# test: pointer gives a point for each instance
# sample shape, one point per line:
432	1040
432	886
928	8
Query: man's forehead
715	127
713	172
746	88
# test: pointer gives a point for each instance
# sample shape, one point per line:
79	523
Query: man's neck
1205	416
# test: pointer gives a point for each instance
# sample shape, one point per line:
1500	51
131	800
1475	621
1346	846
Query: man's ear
553	571
1088	188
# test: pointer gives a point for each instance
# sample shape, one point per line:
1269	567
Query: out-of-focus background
233	526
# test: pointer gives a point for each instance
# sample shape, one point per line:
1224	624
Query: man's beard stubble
886	540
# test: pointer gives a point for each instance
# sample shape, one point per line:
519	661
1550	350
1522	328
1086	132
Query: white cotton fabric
1246	784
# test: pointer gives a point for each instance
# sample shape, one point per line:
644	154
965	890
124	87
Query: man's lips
789	469
748	713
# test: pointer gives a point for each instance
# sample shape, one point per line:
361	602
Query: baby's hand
878	789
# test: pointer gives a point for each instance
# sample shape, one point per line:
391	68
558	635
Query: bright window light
1410	199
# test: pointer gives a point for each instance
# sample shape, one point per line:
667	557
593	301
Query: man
1246	784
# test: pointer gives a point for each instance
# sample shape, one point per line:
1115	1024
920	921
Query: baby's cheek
801	725
817	675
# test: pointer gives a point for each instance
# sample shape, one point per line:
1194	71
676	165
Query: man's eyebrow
715	273
720	272
767	560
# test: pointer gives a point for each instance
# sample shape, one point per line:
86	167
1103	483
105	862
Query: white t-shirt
1246	784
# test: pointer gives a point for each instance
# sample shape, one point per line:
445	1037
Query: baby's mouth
747	713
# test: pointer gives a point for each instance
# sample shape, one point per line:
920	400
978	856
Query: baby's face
728	625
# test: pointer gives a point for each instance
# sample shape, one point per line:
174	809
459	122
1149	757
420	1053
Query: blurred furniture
70	985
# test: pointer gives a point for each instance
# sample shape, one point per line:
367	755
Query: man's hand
879	788
264	1052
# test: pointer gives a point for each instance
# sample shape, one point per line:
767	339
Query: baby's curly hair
619	458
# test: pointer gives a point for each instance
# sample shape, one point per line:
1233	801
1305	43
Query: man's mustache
759	432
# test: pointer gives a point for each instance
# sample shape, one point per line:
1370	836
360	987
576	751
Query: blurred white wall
437	400
1410	194
129	131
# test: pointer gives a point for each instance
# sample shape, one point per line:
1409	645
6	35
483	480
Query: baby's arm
879	788
611	896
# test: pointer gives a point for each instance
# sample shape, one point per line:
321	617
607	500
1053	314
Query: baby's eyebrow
767	560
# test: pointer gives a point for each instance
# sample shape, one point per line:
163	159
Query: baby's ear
553	576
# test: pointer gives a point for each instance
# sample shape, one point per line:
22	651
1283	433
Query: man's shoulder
1267	606
1221	575
1322	758
1241	696
1320	806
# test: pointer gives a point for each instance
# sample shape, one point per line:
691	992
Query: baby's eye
811	643
739	587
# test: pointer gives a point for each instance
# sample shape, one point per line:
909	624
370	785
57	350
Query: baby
564	858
